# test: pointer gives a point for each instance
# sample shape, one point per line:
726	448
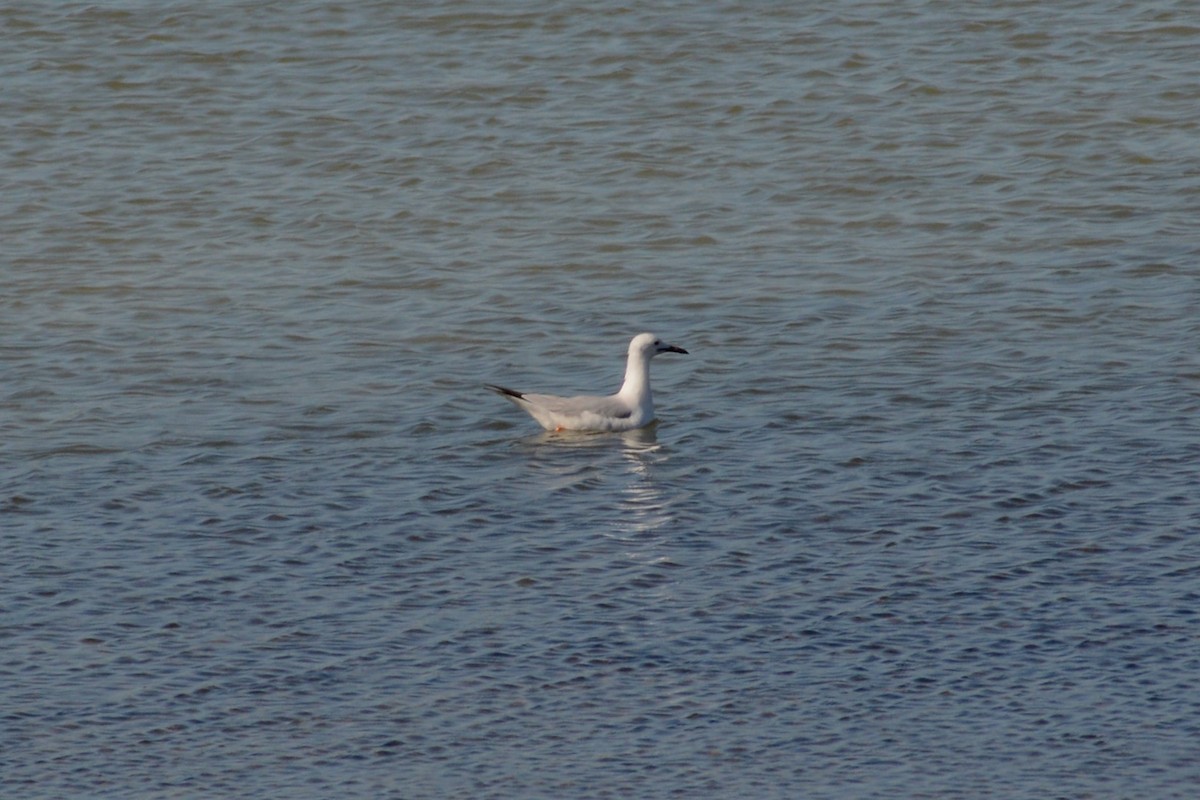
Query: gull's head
648	345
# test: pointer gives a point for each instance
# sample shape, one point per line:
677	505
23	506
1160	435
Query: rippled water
919	518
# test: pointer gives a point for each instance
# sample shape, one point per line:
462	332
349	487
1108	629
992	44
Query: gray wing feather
604	406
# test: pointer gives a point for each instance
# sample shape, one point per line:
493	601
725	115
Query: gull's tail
503	392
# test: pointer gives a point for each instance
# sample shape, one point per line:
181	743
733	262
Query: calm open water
920	518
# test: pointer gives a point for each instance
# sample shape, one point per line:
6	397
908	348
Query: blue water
918	518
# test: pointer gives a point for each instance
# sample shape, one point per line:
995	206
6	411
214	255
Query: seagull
630	408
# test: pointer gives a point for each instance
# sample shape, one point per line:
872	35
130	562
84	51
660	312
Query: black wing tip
504	391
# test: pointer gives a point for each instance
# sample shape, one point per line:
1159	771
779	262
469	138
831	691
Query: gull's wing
583	412
609	407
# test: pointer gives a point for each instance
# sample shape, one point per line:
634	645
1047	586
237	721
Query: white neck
636	387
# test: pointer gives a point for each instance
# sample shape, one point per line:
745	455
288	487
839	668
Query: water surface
919	516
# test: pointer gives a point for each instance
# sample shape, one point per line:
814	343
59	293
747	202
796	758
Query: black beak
673	349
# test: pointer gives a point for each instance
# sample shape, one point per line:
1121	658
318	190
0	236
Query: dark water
919	518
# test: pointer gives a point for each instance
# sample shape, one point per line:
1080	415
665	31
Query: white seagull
630	408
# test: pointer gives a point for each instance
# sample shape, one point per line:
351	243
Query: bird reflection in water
643	504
